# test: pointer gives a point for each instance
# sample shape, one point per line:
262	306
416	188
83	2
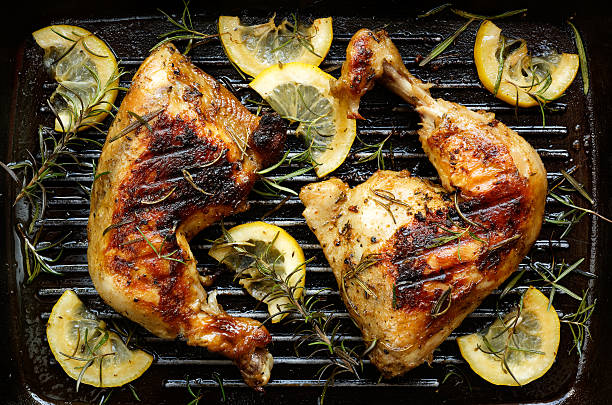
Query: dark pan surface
574	135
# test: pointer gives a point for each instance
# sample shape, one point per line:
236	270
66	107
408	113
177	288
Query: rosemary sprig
88	352
35	259
573	213
584	68
500	65
506	14
104	399
553	274
315	329
442	46
388	199
376	152
463	216
190	180
448	238
184	31
161	199
52	164
512	283
353	272
578	322
49	167
272	185
504	343
569	203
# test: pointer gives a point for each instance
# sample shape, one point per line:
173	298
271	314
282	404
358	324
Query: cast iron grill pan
294	380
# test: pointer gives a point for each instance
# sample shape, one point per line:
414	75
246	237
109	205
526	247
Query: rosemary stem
46	165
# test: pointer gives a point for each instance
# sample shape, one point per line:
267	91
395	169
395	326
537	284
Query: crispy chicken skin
193	164
404	280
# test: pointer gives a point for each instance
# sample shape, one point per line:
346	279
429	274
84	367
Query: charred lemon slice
254	48
518	348
86	70
507	70
301	93
254	250
87	351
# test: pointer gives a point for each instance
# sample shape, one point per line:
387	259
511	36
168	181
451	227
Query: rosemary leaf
190	180
219	380
159	199
506	14
436	309
434	10
505	242
117	225
441	47
512	283
584	69
500	65
140	121
577	186
184	31
134	394
571	205
10	172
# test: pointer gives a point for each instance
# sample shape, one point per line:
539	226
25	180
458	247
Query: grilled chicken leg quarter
412	258
193	163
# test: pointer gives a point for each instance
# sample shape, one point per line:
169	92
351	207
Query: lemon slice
531	349
528	78
277	248
87	351
301	92
254	48
86	71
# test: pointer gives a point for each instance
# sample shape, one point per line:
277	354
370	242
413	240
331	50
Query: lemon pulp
524	80
277	248
301	93
515	351
85	68
87	351
254	48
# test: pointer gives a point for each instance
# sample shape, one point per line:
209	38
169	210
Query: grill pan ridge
572	137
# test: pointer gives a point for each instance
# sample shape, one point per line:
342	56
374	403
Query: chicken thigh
412	259
181	154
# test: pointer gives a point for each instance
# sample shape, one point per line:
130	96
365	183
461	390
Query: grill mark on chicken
174	146
411	245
